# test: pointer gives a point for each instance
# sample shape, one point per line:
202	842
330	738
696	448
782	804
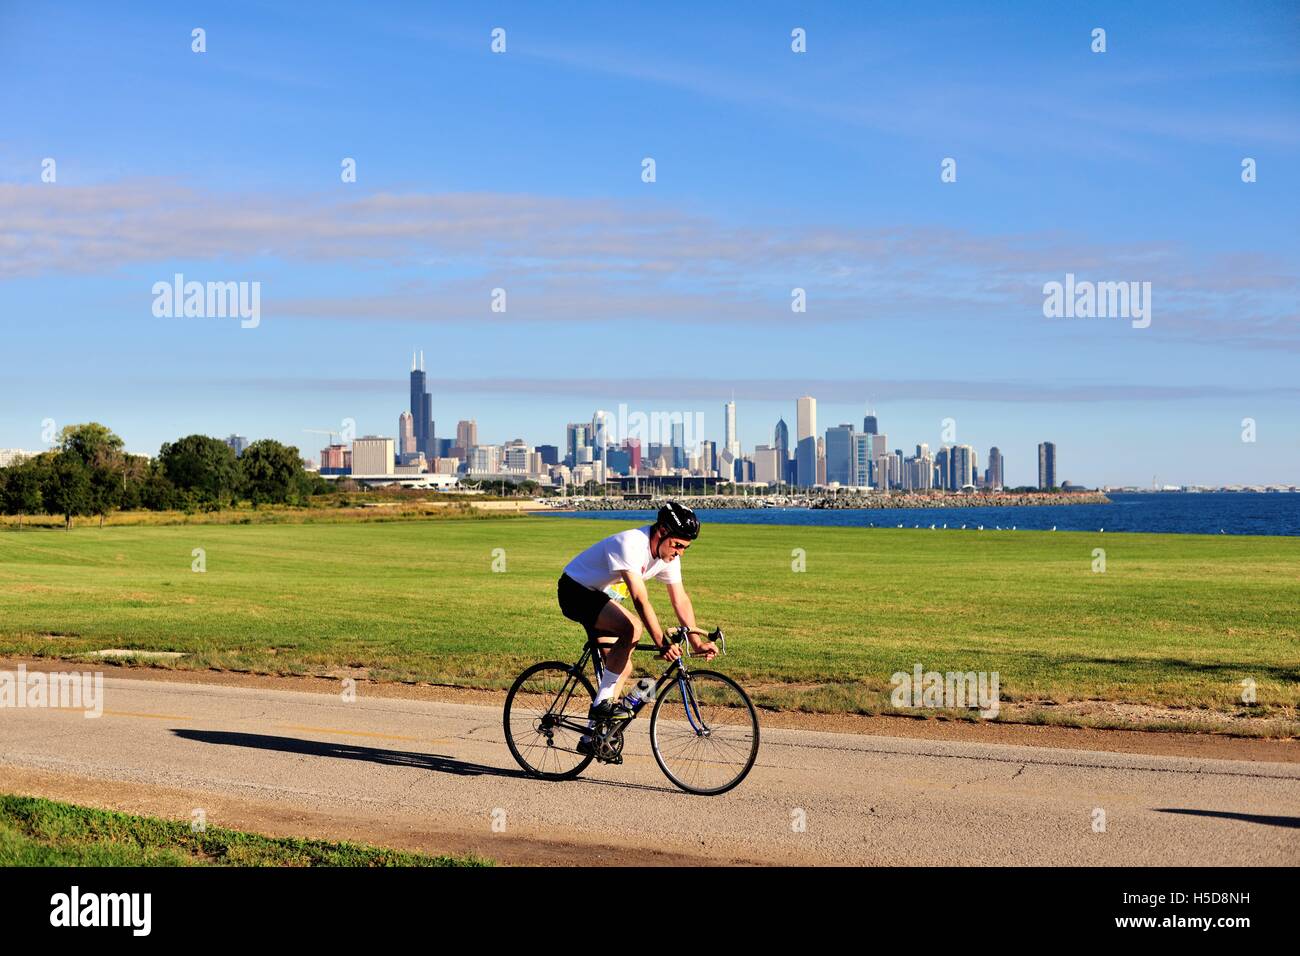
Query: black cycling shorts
579	603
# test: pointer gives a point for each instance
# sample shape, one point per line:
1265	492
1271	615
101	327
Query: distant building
576	435
806	420
861	459
806	462
335	460
781	441
840	464
618	461
767	468
516	455
406	435
679	444
729	430
421	412
238	443
726	466
821	461
600	438
918	473
709	457
466	434
869	424
372	455
633	448
961	467
485	459
993	474
1046	465
550	454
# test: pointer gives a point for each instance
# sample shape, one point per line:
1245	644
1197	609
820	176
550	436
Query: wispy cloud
563	259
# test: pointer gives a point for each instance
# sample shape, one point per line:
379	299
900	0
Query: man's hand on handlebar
707	649
668	649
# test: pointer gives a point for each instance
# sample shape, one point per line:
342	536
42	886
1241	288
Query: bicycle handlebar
678	634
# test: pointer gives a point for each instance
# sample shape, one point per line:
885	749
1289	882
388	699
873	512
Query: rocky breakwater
838	500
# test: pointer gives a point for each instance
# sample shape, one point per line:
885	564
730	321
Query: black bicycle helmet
678	521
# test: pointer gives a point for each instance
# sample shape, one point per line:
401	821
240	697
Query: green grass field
1175	620
38	832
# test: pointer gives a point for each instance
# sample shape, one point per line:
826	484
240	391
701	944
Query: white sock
605	691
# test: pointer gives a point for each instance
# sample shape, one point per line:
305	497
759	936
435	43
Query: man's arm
641	601
685	612
682	606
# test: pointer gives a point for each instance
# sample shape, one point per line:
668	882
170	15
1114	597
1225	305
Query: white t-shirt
600	565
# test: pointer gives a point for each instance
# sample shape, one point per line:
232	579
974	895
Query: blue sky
774	170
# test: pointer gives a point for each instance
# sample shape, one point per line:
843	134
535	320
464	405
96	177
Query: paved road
436	770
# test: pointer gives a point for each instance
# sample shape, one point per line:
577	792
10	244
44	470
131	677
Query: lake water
1268	513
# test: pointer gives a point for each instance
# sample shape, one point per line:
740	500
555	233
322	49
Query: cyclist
626	561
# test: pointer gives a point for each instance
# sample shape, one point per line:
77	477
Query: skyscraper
1046	465
600	437
839	454
405	435
679	444
869	424
633	448
766	468
576	436
729	429
806	462
861	455
806	417
961	467
421	410
781	442
994	474
466	434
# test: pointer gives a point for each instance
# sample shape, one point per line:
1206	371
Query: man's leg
614	621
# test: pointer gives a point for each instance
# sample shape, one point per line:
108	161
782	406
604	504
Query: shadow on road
1291	822
394	758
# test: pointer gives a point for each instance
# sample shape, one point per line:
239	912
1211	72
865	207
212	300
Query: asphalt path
440	775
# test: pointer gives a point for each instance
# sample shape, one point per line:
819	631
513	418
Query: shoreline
844	502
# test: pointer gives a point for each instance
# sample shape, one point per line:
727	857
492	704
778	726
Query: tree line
87	473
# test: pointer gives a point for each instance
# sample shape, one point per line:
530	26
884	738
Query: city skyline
535	273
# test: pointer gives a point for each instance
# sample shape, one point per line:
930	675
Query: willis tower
421	410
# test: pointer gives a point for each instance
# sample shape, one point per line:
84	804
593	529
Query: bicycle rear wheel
544	709
704	732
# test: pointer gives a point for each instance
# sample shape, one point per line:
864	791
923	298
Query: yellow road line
128	713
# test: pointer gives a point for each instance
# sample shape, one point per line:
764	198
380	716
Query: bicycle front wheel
546	711
704	732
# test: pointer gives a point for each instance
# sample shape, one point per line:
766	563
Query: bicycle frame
676	671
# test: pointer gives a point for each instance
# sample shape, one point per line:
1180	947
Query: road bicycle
703	726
